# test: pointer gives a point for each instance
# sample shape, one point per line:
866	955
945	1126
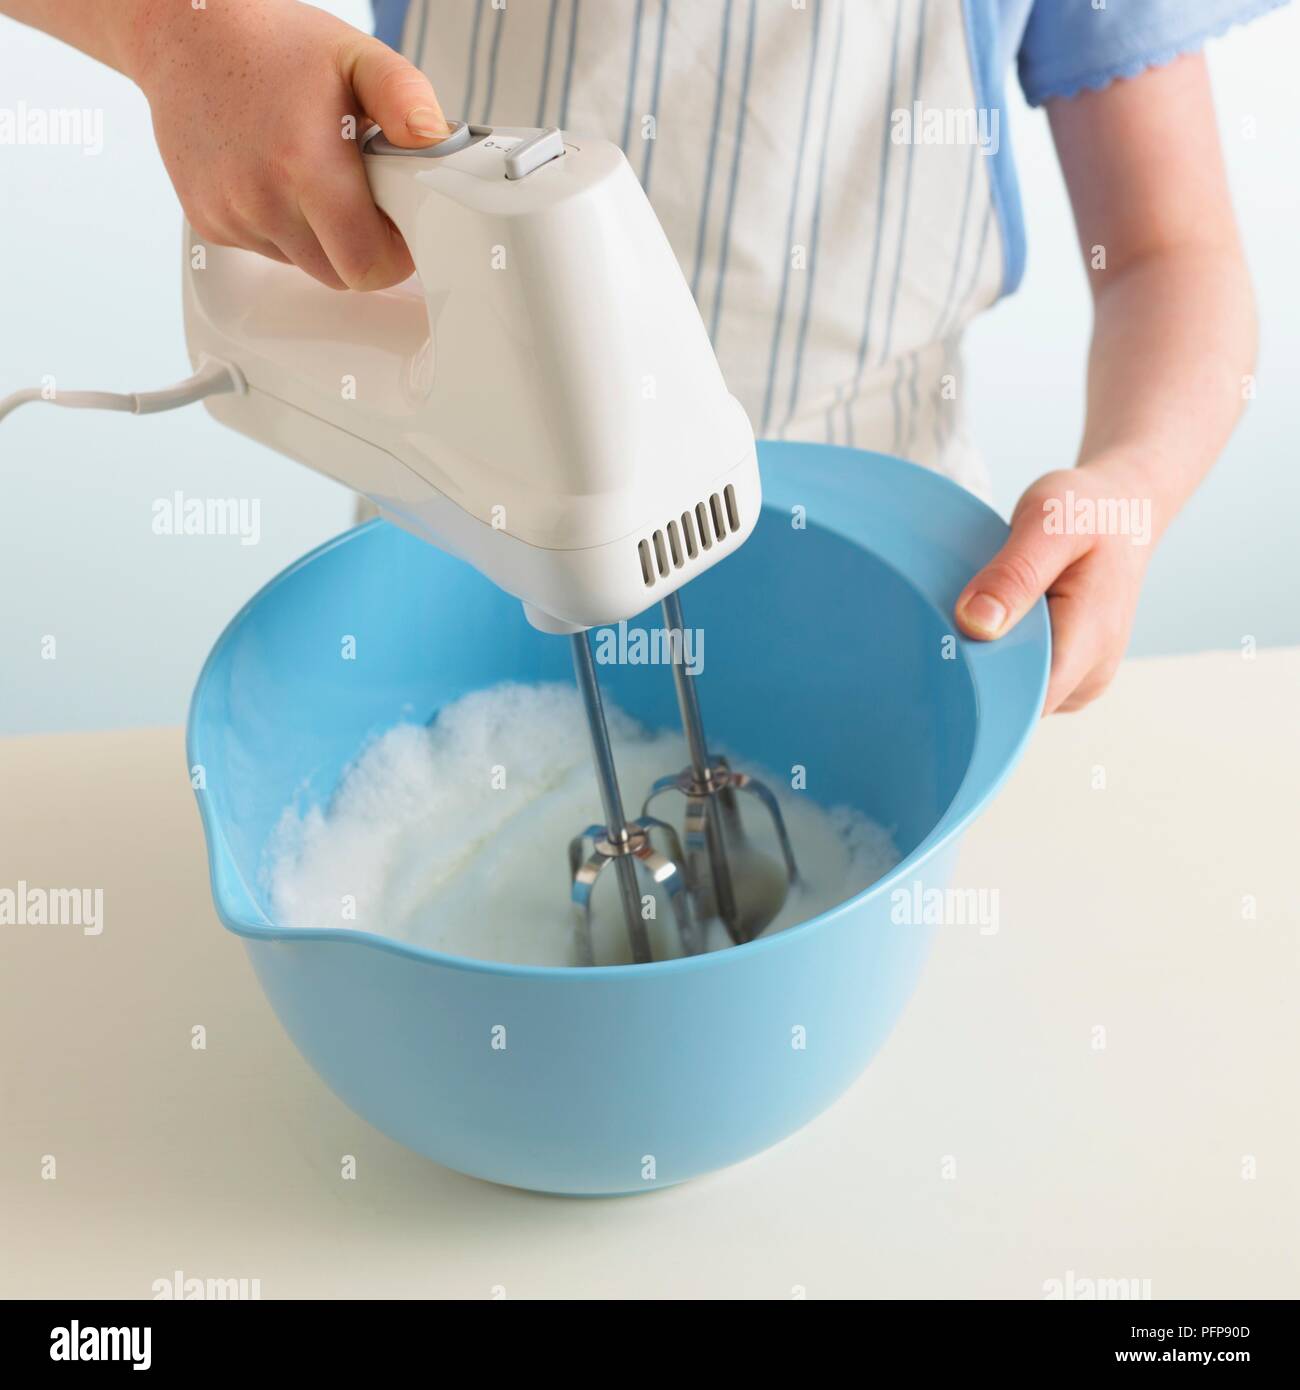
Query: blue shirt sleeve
1069	45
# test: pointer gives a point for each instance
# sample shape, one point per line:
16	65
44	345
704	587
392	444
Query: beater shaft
616	827
701	765
611	799
687	701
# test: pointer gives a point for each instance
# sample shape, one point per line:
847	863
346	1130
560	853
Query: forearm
1174	326
104	29
1173	342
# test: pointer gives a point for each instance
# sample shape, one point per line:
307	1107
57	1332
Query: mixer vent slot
702	518
688	530
683	540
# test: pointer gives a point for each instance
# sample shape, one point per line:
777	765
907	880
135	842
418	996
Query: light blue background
89	291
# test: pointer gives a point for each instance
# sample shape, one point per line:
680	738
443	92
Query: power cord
213	378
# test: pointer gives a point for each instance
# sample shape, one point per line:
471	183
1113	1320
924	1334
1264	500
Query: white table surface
991	1146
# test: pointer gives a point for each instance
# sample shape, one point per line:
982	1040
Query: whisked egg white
454	836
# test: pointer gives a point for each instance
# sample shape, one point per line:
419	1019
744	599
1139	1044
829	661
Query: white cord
212	379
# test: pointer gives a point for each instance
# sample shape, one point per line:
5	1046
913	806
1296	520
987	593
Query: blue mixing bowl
829	646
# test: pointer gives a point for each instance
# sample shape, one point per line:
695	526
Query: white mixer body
540	399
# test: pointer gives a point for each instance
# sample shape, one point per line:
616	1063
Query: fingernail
985	614
425	122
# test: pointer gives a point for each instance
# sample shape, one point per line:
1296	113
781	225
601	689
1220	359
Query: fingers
1079	665
395	94
1091	590
268	222
363	247
328	226
1017	576
217	234
314	211
1092	608
300	245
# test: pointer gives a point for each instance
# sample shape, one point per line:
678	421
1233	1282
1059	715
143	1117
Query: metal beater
720	875
625	844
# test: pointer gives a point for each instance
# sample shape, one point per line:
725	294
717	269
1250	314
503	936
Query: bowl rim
978	657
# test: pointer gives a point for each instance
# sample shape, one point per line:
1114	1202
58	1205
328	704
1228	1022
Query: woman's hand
1083	537
258	109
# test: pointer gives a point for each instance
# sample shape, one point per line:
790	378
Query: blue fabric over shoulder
1070	46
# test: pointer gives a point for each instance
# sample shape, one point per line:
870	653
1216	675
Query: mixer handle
394	171
395	187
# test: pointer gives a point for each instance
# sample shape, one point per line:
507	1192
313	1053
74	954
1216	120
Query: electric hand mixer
541	400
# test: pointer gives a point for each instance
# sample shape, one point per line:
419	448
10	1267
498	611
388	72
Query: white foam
455	836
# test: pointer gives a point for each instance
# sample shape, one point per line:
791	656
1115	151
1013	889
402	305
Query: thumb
1018	575
395	94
